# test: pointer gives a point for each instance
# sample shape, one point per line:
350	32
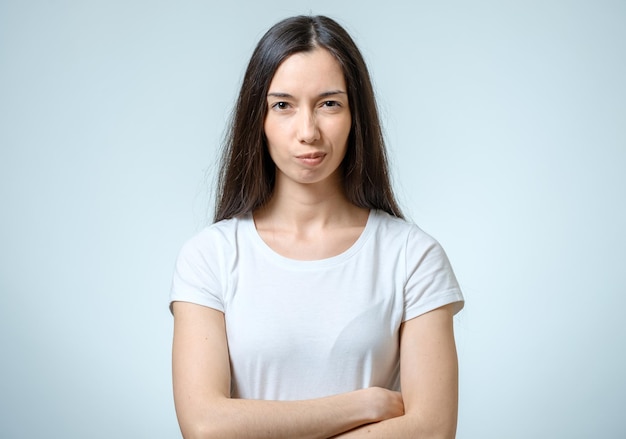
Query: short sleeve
431	282
194	278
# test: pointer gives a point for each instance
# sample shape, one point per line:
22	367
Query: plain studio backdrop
506	125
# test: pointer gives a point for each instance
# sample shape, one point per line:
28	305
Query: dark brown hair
247	173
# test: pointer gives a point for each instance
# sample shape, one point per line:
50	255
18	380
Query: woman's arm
201	374
429	377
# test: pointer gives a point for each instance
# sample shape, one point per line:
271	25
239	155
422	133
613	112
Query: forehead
314	71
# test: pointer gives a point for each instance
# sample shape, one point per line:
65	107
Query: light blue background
506	123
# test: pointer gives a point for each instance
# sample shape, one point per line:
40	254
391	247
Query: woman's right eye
280	105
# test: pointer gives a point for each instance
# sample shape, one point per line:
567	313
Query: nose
308	131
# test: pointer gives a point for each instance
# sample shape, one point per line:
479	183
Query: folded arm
429	380
201	375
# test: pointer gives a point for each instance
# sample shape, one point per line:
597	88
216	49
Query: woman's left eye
331	103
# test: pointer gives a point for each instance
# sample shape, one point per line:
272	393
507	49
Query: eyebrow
321	95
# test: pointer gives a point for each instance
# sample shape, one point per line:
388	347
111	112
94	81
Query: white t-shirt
305	329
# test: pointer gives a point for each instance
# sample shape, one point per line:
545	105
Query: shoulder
421	251
217	236
420	263
389	227
213	246
202	266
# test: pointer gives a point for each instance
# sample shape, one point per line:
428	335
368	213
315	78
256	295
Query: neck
308	206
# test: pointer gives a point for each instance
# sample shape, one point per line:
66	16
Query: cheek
272	130
344	131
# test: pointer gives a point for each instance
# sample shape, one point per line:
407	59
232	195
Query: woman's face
308	119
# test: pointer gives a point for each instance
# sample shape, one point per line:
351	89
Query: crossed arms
426	408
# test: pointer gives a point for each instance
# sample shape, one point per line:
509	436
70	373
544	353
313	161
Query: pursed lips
311	158
311	155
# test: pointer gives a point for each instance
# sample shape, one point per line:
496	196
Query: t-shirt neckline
268	252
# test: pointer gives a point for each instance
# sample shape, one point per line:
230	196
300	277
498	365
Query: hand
384	403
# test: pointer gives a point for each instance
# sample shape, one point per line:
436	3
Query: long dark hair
247	173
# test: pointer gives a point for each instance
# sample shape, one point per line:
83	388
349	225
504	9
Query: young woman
311	308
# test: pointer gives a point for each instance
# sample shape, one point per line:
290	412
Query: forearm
407	426
429	381
202	382
316	418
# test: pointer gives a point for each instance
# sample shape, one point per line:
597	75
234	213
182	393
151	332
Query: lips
312	155
311	158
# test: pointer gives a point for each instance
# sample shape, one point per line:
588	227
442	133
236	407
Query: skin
308	120
308	217
307	129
